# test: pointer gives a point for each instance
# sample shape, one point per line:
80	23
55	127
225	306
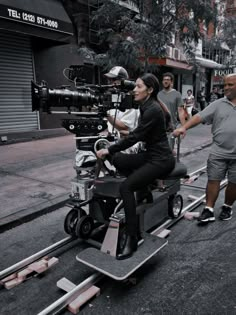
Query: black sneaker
206	216
226	213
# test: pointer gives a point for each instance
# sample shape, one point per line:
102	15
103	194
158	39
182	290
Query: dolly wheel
71	220
175	205
84	227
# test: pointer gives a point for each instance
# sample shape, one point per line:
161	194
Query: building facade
26	28
40	40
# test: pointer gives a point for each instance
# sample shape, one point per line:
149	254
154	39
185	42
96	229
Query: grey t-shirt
222	115
172	99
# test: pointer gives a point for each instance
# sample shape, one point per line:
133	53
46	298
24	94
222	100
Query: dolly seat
108	186
180	171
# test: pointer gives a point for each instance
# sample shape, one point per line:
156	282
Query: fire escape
93	29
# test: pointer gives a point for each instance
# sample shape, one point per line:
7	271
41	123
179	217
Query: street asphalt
35	176
194	274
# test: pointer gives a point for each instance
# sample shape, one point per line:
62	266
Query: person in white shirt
121	122
189	102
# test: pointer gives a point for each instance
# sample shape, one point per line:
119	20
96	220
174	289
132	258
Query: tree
131	36
229	37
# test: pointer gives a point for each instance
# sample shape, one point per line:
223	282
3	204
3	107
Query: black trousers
139	172
202	105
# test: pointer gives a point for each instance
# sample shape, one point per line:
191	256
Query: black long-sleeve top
151	130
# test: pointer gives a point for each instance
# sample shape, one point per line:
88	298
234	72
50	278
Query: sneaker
226	213
207	216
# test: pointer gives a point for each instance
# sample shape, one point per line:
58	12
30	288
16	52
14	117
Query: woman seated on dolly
141	169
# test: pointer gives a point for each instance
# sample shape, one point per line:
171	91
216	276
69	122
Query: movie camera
88	102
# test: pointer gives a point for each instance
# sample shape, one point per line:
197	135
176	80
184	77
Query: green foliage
128	34
128	37
224	40
228	33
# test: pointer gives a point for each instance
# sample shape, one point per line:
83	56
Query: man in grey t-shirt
222	159
172	99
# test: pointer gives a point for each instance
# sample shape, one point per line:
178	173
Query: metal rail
25	262
200	170
198	201
61	303
190	207
66	299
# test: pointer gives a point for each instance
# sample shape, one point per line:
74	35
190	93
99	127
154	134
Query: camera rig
87	104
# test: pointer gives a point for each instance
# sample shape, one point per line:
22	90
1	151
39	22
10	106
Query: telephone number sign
26	17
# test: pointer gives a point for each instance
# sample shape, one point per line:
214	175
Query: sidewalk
35	176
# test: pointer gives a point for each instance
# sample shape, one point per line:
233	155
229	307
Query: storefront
181	70
21	22
207	70
218	79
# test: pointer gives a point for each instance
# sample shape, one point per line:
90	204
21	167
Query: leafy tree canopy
228	33
149	28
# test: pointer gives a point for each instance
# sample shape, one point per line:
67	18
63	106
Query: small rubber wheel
84	227
175	205
71	220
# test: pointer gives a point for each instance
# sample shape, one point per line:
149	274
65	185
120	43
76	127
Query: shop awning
169	63
40	18
207	63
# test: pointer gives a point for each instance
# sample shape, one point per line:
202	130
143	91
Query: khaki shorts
218	168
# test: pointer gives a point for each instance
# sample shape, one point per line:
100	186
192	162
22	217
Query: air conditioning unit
176	54
169	51
183	57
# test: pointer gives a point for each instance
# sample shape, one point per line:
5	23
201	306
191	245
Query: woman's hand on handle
102	153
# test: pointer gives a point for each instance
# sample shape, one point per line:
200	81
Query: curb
13	138
26	215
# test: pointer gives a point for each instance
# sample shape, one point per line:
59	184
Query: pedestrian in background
172	99
222	159
201	98
213	96
189	103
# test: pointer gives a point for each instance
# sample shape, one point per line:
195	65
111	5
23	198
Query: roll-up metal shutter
16	73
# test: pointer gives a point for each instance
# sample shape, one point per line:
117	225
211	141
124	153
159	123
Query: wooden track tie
31	270
83	296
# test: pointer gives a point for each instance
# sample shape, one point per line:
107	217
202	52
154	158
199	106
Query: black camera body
101	97
88	103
